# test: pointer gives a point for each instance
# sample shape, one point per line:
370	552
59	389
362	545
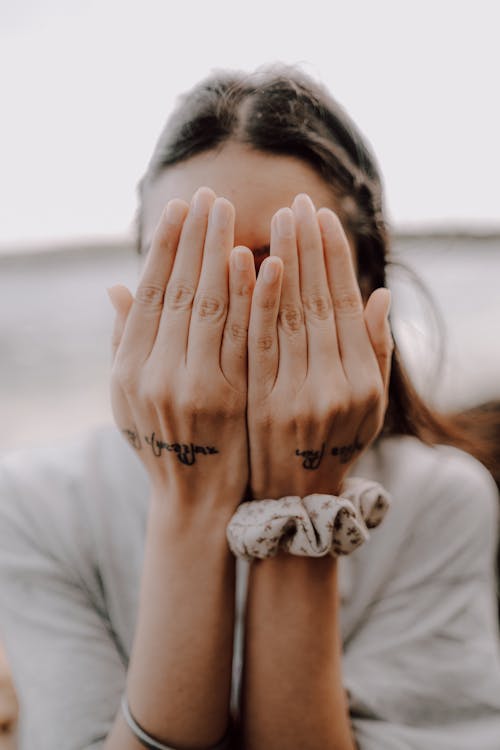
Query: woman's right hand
179	373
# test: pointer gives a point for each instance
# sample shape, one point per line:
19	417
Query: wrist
189	520
299	488
308	569
293	582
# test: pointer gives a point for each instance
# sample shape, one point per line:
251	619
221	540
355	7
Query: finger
122	300
322	345
143	320
263	348
211	300
172	338
353	341
377	324
292	336
376	318
234	347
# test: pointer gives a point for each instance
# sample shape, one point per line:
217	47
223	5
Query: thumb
376	316
121	299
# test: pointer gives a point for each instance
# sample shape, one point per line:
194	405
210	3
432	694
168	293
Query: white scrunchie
313	526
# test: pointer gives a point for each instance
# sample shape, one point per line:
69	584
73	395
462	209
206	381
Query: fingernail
284	221
174	213
271	271
221	212
303	206
202	200
242	259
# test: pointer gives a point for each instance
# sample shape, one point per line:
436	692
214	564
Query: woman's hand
179	375
318	363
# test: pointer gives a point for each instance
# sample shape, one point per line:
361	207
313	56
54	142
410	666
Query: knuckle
198	406
291	318
210	307
264	342
191	403
368	397
373	397
301	416
323	412
298	415
266	302
348	303
326	411
242	290
238	332
264	420
156	393
191	407
318	305
150	295
342	405
179	296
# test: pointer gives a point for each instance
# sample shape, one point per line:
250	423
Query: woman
117	583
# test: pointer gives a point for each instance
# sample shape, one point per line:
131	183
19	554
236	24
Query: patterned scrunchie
313	526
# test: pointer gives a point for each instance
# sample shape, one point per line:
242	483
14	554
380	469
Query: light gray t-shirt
421	660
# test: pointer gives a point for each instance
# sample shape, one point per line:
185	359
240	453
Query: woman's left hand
318	363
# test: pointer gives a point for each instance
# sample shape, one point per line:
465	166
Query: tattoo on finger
185	452
346	452
133	437
312	458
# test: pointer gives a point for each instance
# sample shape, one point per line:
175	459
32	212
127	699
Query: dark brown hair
281	110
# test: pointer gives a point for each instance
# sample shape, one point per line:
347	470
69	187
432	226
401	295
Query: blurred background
85	89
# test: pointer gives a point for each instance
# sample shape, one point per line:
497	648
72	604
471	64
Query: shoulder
437	543
54	497
420	475
67	460
445	506
421	602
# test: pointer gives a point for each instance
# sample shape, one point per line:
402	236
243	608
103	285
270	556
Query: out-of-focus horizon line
113	241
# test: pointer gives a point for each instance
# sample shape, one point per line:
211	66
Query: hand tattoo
133	438
186	453
346	452
312	458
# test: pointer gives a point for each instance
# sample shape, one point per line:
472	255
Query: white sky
85	87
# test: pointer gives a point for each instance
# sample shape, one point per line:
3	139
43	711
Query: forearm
179	677
292	694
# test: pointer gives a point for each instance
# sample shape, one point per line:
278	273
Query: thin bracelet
147	741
